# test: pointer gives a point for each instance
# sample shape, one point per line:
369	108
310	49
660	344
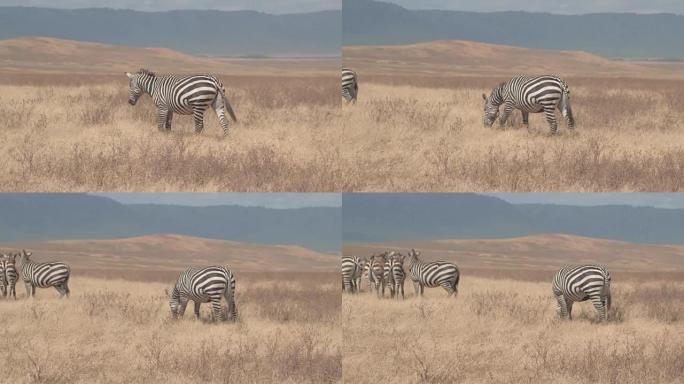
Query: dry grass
425	134
61	134
118	331
506	331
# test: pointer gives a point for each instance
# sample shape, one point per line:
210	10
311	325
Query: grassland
425	133
75	132
117	331
502	328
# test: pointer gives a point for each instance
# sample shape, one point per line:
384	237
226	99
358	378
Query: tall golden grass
425	133
122	332
77	133
504	330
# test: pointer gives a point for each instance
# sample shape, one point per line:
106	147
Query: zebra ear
484	97
129	74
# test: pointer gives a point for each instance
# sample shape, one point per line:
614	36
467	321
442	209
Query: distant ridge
367	22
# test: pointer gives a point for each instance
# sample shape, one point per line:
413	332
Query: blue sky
269	6
658	200
269	200
552	6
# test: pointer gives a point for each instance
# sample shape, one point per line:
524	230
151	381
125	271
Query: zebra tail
227	104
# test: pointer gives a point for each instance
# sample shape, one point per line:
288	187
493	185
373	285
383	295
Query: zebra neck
147	84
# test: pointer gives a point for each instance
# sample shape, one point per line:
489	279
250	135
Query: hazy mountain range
31	217
404	217
367	22
225	33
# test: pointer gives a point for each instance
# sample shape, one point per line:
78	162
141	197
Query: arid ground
67	126
417	125
503	328
116	326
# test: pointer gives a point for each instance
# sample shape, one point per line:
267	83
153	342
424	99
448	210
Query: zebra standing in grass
3	281
586	282
529	94
352	267
367	276
397	274
203	285
433	274
44	275
185	95
350	85
11	275
377	273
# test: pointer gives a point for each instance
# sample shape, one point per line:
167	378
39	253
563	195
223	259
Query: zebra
376	272
202	285
185	95
581	283
10	275
350	85
3	281
529	94
367	276
351	273
433	274
397	274
44	275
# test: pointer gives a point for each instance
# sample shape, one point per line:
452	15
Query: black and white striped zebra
185	95
397	274
352	267
581	283
44	275
204	285
10	275
350	85
433	274
3	281
367	276
377	273
529	94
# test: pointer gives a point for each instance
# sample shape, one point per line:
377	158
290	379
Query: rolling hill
170	252
468	58
538	252
367	22
210	32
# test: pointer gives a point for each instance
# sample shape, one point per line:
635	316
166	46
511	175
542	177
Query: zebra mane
144	71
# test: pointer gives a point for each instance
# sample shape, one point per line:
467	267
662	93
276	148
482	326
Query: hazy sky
552	6
269	200
659	200
269	6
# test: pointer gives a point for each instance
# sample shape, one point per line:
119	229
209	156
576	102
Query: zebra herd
570	284
529	94
199	285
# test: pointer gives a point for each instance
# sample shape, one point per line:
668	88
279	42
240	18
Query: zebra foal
350	85
529	94
433	274
204	285
44	275
185	95
581	283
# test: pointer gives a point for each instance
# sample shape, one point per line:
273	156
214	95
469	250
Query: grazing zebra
397	274
185	95
350	85
44	275
377	273
433	274
3	282
11	275
351	273
586	282
529	94
203	285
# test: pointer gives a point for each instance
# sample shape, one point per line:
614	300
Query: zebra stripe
352	266
11	275
433	274
185	95
44	275
350	85
203	285
581	283
530	94
367	276
3	282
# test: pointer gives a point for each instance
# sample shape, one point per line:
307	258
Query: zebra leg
217	309
162	115
550	114
526	118
197	309
169	117
599	304
561	306
198	114
416	287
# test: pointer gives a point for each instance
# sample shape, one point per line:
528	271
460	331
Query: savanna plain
417	125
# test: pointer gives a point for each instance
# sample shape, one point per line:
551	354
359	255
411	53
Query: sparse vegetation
121	331
504	330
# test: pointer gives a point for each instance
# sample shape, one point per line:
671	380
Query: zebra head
413	256
25	256
174	302
137	84
491	111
